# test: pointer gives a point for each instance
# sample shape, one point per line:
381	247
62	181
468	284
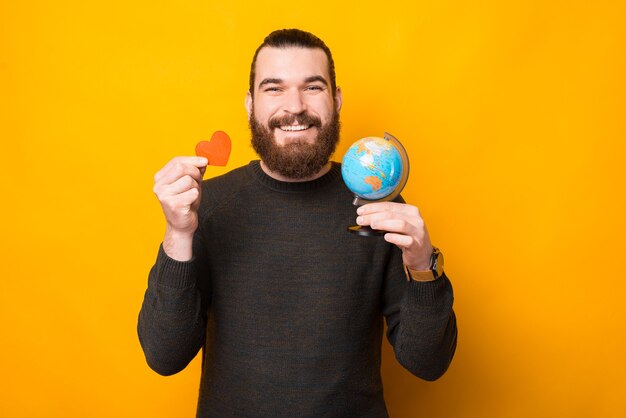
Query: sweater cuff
427	293
174	273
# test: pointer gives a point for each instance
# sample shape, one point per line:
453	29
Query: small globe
375	168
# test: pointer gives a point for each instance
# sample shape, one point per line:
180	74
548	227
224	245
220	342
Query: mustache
301	119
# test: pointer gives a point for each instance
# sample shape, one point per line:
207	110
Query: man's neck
280	177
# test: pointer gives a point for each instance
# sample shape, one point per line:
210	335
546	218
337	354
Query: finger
399	226
182	202
376	218
414	256
195	161
176	163
402	241
181	185
181	166
402	208
187	199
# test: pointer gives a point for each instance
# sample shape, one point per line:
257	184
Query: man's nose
294	102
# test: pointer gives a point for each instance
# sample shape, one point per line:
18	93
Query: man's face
294	116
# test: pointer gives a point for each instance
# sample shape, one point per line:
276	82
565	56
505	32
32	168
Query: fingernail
360	210
359	220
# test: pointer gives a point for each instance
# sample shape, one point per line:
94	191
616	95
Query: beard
295	160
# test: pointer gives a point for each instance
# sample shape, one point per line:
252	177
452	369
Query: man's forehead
291	62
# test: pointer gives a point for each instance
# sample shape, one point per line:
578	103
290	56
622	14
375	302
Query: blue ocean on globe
372	168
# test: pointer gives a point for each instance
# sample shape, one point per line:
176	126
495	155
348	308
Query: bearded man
257	267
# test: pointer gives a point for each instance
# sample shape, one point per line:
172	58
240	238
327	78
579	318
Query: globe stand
364	230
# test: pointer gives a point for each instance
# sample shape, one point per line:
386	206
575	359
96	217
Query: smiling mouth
294	128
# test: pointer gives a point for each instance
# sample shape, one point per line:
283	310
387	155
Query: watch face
437	262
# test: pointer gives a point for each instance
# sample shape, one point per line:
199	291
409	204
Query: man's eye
272	89
314	88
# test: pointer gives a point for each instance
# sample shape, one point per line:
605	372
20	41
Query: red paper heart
217	150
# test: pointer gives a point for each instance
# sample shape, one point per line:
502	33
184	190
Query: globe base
365	231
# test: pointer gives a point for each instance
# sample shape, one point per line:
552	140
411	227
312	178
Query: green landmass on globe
372	168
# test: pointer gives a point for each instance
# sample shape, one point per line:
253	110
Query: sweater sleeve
172	319
421	325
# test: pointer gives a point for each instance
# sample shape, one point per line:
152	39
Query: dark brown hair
285	38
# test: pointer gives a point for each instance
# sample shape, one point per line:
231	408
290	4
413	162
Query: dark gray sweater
288	305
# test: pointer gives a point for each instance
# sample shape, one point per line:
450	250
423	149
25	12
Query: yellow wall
513	113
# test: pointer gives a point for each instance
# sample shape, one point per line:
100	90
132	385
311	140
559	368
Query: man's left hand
405	227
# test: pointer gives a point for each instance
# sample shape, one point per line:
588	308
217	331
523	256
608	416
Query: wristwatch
434	271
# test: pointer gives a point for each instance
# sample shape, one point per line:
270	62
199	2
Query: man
258	269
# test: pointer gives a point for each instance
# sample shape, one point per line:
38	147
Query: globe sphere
372	168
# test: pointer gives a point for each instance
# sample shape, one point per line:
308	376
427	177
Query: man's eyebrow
270	81
316	78
310	79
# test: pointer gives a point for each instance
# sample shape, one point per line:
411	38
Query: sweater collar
297	186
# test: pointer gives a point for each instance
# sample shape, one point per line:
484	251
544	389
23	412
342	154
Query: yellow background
513	113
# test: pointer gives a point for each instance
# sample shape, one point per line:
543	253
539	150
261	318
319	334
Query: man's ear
248	103
338	99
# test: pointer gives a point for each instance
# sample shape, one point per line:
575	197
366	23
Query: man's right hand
177	186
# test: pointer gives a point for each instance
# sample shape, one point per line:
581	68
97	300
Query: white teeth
294	128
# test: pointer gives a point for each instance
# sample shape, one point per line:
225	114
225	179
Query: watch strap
419	275
433	273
